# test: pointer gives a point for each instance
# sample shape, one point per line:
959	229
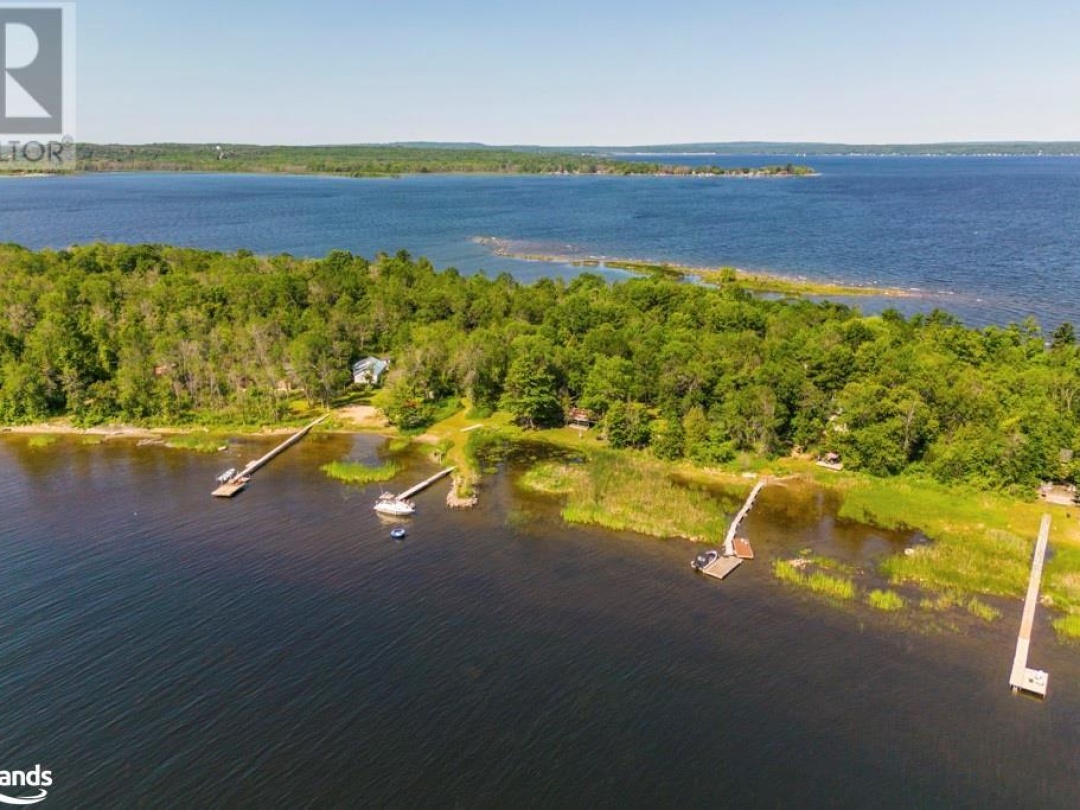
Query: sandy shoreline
353	419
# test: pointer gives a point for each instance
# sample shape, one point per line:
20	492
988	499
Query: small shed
580	418
369	371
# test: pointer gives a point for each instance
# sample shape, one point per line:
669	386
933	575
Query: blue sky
333	71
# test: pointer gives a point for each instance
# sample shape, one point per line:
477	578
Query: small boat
742	548
398	533
389	504
704	560
227	476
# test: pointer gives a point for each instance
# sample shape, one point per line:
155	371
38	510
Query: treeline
958	149
375	161
156	334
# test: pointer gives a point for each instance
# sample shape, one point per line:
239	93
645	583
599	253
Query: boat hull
395	508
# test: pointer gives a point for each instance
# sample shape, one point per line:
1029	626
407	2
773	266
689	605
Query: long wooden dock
1022	679
234	486
729	541
425	484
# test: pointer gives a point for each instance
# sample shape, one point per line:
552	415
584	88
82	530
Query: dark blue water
992	239
162	649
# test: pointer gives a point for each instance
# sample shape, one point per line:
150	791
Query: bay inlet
159	645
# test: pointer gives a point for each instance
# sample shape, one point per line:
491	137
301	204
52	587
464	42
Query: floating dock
742	549
729	541
425	484
233	487
722	566
1022	679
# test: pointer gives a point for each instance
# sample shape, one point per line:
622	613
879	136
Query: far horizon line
651	146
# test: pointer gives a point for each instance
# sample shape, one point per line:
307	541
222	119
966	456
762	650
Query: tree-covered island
386	161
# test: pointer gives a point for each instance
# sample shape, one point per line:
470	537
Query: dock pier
729	541
233	487
729	560
1022	679
425	484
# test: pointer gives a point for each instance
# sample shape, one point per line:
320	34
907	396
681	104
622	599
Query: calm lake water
991	239
159	648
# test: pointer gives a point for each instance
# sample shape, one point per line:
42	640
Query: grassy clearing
197	442
462	447
838	588
41	441
631	492
352	472
982	542
889	601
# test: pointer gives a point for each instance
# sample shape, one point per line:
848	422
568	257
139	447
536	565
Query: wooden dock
236	485
729	541
722	566
425	484
1022	679
743	550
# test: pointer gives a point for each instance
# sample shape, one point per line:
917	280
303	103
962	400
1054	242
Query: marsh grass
197	443
982	610
631	492
889	601
552	478
979	546
1068	626
785	571
833	587
834	565
938	602
352	472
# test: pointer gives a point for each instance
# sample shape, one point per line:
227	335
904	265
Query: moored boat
389	504
398	533
704	560
227	476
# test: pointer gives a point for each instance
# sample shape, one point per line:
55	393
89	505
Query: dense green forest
377	161
156	334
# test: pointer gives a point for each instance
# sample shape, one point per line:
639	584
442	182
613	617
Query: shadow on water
160	647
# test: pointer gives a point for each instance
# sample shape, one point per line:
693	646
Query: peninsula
941	428
714	276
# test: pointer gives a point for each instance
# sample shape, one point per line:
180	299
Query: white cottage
369	371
